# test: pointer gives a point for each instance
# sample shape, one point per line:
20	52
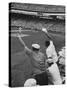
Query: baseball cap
36	46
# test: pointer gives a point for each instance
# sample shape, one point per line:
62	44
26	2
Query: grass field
21	68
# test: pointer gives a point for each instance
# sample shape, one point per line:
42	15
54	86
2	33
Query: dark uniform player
38	61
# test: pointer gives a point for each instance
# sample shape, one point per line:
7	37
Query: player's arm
22	42
26	49
46	32
49	36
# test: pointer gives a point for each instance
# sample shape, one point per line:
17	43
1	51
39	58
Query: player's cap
36	46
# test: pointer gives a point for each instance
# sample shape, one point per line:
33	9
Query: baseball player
38	61
52	59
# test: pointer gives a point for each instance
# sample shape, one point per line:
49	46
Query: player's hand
44	30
